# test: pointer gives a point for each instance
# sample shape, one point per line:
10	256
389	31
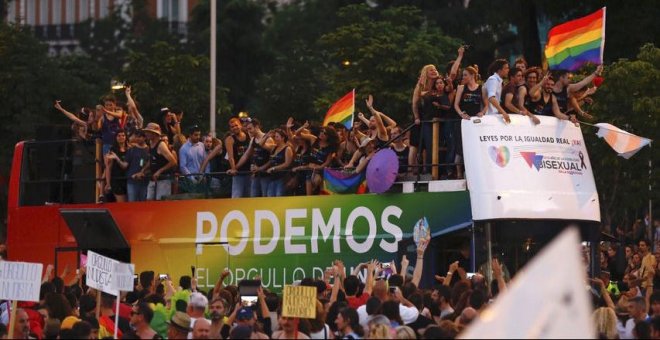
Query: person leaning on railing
280	160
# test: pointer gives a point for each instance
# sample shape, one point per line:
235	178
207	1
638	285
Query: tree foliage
629	99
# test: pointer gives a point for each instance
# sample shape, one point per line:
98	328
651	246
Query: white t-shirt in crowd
493	88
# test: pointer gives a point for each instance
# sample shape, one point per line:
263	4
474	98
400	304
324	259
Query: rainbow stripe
339	182
342	111
577	42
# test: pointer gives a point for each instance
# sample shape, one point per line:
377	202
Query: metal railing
69	152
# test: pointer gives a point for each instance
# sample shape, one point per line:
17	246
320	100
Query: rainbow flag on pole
342	111
577	42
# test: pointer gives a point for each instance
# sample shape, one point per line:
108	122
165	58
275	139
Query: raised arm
132	108
419	264
584	82
69	114
453	72
380	127
369	285
452	269
220	283
389	122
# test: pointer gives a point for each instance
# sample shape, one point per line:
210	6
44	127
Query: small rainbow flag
340	182
342	111
577	42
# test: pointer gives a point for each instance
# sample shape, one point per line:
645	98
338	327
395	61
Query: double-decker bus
527	179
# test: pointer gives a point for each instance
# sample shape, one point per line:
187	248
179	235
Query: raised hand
370	101
599	70
453	267
289	123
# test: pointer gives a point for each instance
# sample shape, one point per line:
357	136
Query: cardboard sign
20	281
299	302
122	276
99	272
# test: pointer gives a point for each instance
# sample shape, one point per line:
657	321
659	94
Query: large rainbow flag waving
342	111
574	43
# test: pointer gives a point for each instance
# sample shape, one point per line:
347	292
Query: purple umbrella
382	171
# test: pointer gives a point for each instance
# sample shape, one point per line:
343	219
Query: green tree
162	76
294	82
629	99
381	52
241	56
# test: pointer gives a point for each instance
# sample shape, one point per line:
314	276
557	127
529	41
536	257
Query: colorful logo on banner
532	159
500	155
561	164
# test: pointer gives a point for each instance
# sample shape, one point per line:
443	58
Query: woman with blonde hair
378	331
405	332
605	321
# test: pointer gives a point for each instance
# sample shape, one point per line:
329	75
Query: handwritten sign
20	281
99	272
122	276
299	302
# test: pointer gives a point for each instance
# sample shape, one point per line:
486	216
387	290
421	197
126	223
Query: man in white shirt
407	311
493	88
637	310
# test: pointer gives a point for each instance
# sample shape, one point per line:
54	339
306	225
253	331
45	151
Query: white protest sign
122	276
99	272
20	281
535	306
522	170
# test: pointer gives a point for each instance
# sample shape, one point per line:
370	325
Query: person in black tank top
470	102
280	161
402	152
563	88
237	144
257	156
162	162
216	159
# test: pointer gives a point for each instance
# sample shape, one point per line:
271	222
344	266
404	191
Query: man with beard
219	308
141	316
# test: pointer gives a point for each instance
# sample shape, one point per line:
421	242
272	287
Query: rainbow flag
340	182
577	42
342	111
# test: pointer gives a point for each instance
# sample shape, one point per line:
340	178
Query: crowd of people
152	161
374	301
386	304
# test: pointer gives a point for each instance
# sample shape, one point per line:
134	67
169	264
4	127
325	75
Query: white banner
522	170
122	276
99	272
20	281
533	307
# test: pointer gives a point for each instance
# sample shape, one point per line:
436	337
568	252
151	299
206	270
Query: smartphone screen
248	301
